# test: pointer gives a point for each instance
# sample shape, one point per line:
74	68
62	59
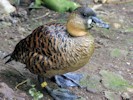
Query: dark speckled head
85	12
82	19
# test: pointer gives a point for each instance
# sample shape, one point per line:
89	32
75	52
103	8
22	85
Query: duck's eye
84	15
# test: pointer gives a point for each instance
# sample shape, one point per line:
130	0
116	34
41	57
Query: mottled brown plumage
56	48
51	50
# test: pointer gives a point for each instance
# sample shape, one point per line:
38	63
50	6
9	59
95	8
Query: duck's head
83	19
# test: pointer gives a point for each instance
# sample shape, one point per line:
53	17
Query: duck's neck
75	27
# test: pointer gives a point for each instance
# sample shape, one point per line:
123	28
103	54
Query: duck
56	48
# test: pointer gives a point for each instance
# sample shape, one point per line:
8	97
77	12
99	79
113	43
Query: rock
92	83
112	96
7	93
6	7
125	96
130	89
117	25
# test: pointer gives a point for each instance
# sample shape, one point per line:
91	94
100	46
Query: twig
40	16
23	82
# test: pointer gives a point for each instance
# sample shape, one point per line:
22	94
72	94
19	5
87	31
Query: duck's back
51	50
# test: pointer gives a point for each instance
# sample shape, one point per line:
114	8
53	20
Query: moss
114	81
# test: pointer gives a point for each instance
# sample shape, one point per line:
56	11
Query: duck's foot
57	94
68	80
61	94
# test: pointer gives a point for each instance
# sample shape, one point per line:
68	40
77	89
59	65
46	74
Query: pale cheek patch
89	22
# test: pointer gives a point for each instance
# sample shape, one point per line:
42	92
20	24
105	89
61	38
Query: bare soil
118	37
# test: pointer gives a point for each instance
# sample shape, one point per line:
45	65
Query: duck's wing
24	47
41	50
47	47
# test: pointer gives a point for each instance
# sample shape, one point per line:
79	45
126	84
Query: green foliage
34	93
57	5
38	2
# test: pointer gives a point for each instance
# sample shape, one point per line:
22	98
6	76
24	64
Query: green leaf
34	93
60	5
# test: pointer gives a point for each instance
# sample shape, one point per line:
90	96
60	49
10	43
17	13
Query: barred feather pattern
49	49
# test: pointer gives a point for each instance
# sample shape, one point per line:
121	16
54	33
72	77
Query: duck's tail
10	59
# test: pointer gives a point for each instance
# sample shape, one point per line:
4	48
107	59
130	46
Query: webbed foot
68	80
57	94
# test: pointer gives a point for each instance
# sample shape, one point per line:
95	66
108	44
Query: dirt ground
114	48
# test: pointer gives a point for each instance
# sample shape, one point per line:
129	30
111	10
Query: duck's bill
98	22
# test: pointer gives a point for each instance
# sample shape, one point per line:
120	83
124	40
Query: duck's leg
57	94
